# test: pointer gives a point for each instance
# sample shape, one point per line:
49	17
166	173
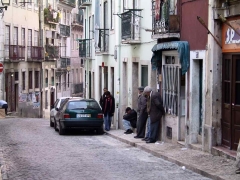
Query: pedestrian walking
4	105
108	109
238	159
143	115
155	111
129	120
102	97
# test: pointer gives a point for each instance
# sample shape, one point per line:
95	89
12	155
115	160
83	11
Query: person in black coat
129	120
108	109
102	97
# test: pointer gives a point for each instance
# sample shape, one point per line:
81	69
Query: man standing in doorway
155	111
108	109
142	114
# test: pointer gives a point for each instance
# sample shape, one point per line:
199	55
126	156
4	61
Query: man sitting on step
129	120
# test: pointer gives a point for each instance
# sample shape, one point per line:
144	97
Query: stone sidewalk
214	167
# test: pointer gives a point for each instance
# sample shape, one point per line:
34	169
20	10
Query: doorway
231	101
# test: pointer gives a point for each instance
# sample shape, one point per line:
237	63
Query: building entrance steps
214	167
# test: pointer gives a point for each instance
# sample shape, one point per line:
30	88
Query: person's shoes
237	171
129	131
150	141
137	137
145	139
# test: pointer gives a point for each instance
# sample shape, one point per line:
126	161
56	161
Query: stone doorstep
224	152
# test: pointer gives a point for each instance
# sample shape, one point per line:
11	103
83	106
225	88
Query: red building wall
191	29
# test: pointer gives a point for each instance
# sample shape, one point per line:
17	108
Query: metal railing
35	53
69	2
84	2
131	25
52	52
77	88
163	18
104	40
64	30
64	62
78	19
15	52
85	48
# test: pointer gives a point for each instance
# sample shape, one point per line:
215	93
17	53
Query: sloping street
32	150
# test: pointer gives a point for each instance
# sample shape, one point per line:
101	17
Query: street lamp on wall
5	4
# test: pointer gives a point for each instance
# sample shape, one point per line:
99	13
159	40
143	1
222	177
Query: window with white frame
23	36
68	19
64	17
7	41
29	43
171	84
15	42
35	38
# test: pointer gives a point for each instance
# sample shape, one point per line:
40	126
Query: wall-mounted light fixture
5	4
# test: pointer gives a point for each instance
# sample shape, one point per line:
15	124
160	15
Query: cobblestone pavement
34	151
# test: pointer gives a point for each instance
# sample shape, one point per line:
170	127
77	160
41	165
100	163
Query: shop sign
230	38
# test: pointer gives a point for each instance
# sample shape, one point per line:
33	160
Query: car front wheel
51	123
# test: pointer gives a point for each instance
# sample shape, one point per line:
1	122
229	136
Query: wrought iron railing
85	48
103	43
64	30
69	2
84	2
131	25
64	62
77	88
78	19
164	19
52	52
15	52
35	53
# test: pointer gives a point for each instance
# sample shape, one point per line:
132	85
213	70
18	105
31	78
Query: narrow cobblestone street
33	150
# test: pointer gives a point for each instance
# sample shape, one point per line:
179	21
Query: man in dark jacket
129	120
155	111
143	115
108	109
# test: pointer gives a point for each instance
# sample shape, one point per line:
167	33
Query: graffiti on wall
32	99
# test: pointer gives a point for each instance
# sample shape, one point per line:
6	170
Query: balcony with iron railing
35	53
51	16
63	63
77	88
64	30
164	20
51	52
85	49
14	52
131	26
84	3
77	19
71	3
103	44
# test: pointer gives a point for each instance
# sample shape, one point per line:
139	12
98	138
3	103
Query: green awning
183	50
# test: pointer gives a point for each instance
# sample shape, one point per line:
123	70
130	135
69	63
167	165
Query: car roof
81	99
69	97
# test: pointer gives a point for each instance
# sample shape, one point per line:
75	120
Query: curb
161	155
3	172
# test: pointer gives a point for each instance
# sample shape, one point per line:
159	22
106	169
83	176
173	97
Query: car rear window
83	105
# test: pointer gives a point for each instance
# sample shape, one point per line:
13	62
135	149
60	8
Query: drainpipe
118	102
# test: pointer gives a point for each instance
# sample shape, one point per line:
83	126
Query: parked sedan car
79	113
56	105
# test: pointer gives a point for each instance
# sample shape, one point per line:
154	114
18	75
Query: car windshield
83	105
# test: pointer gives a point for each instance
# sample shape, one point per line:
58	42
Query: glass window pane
237	100
144	76
227	69
227	92
237	70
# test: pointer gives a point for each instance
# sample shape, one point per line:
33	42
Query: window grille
171	83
